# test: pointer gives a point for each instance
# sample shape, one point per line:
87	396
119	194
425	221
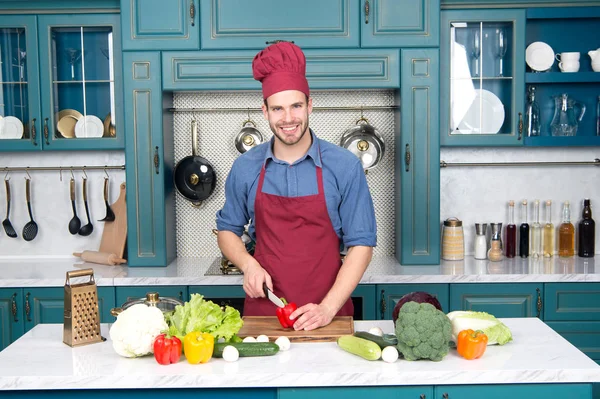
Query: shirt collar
313	152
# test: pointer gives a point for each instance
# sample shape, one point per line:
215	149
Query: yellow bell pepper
198	347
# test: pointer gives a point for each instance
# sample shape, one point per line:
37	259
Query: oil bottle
586	232
548	232
566	234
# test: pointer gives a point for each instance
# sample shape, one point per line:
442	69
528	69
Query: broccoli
423	332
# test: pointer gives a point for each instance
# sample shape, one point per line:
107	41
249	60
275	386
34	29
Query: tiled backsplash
481	194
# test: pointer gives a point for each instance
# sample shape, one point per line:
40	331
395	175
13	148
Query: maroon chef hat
279	67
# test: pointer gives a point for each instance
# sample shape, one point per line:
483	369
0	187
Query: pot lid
153	299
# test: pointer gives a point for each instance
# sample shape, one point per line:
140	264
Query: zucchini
386	340
359	346
248	349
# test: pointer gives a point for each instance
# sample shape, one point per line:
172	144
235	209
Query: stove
223	267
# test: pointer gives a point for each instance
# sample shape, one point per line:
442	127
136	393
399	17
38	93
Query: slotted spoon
30	230
8	227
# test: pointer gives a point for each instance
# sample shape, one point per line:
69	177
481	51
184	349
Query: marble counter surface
40	360
382	270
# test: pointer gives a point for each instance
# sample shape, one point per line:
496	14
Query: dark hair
267	105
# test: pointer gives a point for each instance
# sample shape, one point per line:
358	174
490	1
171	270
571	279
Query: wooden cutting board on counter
269	326
114	235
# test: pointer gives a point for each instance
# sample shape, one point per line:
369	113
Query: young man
304	197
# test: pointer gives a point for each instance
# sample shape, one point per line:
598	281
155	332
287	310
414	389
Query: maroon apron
298	246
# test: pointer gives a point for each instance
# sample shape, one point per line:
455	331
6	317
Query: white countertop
40	360
42	272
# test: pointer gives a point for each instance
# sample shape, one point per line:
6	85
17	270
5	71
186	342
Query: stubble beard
289	140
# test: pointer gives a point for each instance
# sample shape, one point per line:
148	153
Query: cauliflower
135	329
423	332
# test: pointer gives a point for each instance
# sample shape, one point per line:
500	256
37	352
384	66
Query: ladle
75	223
31	228
87	229
8	227
110	215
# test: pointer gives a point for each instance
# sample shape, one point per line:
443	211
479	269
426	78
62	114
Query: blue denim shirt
347	195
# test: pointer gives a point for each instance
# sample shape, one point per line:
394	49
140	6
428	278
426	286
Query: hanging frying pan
195	178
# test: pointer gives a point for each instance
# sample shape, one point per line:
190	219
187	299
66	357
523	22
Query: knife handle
265	289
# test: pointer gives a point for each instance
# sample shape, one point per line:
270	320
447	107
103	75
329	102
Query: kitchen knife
272	297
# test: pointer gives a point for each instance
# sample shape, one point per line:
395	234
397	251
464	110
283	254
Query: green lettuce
205	316
496	331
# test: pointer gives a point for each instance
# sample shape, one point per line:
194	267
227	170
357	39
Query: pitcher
565	120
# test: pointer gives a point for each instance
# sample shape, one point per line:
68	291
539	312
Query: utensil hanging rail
595	162
60	168
365	108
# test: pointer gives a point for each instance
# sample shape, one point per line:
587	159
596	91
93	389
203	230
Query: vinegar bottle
566	234
524	232
548	232
587	232
511	232
536	231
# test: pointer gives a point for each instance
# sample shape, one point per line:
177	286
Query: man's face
287	113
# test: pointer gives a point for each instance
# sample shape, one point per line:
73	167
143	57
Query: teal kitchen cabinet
132	293
482	89
501	300
514	391
573	311
392	23
242	24
160	24
418	392
390	294
12	322
417	159
325	69
149	157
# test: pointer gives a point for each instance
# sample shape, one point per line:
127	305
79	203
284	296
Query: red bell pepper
167	349
283	314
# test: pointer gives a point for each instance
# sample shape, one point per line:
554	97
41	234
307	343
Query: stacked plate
10	128
539	56
71	123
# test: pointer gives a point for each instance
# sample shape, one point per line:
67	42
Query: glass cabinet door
482	78
83	110
19	94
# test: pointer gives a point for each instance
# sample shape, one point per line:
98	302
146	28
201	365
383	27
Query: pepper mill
497	233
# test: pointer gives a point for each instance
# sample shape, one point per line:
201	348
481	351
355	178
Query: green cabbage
205	316
496	331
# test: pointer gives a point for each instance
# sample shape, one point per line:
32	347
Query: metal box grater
81	317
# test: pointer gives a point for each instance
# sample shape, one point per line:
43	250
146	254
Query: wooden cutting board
114	235
269	325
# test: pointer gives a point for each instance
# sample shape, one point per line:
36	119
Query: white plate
485	115
88	127
539	56
11	128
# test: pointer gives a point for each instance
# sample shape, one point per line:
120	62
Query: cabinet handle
33	132
192	12
407	157
181	295
445	396
422	396
539	302
367	7
46	131
27	307
156	159
520	126
13	307
279	41
383	304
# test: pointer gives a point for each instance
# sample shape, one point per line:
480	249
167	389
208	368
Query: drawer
572	301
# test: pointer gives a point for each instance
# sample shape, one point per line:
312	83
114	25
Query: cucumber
359	346
248	349
386	340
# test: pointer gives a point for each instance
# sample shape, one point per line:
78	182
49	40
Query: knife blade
272	297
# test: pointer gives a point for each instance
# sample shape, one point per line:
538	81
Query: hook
72	175
27	171
248	113
85	174
361	112
105	172
7	172
60	171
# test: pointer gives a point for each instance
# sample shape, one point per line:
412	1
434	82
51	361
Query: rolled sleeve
234	215
357	212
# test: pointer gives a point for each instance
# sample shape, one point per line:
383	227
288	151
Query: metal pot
195	178
364	141
152	299
248	137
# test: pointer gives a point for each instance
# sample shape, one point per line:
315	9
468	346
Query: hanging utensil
249	136
364	141
31	228
74	223
8	227
110	215
88	228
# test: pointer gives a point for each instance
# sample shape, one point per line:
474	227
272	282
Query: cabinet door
501	300
19	84
418	159
11	315
356	392
160	24
572	301
150	194
242	24
393	23
390	294
81	81
516	391
483	85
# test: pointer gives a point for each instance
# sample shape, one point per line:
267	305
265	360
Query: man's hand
311	316
254	276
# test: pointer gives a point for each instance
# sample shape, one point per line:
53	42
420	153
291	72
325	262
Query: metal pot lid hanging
248	137
364	141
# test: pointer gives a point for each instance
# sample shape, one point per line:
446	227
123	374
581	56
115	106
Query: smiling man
304	198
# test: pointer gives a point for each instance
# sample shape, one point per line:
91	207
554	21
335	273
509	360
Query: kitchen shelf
560	77
550	141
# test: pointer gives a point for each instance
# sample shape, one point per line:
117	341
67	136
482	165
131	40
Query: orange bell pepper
198	347
471	344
